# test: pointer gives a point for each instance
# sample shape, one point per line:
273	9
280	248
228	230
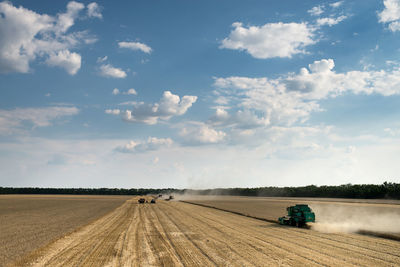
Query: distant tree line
385	190
86	191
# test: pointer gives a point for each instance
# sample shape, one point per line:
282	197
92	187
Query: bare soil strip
180	234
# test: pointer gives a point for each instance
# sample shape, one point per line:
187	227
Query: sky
199	94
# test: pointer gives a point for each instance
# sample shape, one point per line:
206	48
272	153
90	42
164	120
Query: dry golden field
173	233
28	222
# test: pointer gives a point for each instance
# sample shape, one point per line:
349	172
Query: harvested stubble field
333	215
28	222
181	234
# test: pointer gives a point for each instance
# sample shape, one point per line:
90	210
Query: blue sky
199	94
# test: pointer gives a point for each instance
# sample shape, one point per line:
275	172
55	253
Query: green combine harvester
298	215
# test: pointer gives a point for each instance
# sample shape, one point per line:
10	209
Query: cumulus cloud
169	105
115	91
394	26
330	21
316	11
71	62
107	70
270	40
391	14
336	4
130	92
113	111
27	35
151	144
101	59
94	11
245	119
261	102
12	121
136	46
200	133
252	103
321	81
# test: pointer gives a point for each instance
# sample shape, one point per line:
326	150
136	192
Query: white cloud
316	11
392	132
261	103
270	40
130	92
113	111
115	91
27	35
71	62
199	133
391	14
94	11
107	70
322	81
336	4
136	46
101	59
151	144
394	26
12	121
330	21
168	106
245	119
67	19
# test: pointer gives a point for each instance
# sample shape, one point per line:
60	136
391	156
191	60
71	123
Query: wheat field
173	233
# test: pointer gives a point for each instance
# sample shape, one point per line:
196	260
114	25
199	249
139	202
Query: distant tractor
141	200
298	215
170	197
153	201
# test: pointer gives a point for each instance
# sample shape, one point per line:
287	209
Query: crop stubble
181	234
28	222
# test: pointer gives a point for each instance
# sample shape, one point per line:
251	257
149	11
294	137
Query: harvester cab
298	215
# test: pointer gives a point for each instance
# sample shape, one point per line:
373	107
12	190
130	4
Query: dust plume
352	218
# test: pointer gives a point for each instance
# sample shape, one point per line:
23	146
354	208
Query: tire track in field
218	259
188	254
235	232
348	248
202	257
161	242
77	248
239	246
91	248
221	245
